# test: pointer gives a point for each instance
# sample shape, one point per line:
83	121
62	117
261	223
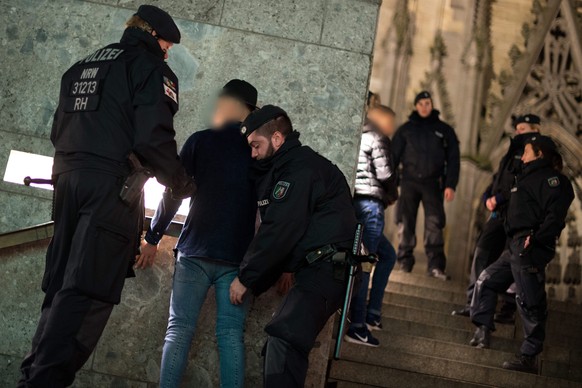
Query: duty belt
326	253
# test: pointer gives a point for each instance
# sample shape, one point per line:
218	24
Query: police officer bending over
119	100
536	215
307	220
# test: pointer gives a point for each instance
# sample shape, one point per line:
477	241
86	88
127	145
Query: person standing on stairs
493	239
375	190
536	216
428	150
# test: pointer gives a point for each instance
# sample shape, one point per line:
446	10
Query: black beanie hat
160	21
261	117
528	118
421	96
241	90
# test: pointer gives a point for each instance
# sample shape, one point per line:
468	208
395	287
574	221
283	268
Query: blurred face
228	109
529	154
164	44
522	128
424	107
263	147
383	121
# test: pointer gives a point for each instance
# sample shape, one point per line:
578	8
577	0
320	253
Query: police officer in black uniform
492	241
535	218
307	224
118	101
428	150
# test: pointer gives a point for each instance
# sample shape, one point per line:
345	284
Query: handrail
46	230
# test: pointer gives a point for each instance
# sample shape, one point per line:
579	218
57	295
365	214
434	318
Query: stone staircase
422	345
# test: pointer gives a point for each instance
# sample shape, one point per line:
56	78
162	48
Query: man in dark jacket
307	226
493	240
428	150
375	190
535	218
119	100
214	239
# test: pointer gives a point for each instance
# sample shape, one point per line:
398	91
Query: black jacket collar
140	38
433	117
261	167
533	166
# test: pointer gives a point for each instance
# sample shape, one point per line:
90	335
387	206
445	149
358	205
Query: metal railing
44	231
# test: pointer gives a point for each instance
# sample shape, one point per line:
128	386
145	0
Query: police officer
535	218
492	240
428	150
117	101
307	219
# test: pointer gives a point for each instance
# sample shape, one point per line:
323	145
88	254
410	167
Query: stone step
427	293
463	336
346	384
427	282
460	352
569	311
451	369
379	376
442	319
558	332
420	302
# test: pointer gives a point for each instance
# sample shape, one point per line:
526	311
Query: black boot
464	312
482	338
522	363
506	315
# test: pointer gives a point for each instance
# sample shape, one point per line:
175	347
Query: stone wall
312	57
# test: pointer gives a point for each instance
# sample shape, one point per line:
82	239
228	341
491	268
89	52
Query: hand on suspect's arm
286	281
449	194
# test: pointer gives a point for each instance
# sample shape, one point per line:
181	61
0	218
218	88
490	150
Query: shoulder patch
169	83
554	181
281	189
168	91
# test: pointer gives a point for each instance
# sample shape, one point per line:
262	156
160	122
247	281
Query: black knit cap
545	142
242	91
160	21
528	118
421	96
261	117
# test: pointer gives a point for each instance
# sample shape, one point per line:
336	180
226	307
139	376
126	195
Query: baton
28	180
349	291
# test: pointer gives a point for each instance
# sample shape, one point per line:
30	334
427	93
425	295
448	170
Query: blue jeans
192	279
370	212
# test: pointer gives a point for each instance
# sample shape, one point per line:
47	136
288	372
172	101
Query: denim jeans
192	278
370	212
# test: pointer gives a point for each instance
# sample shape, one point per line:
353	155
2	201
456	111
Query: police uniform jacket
305	203
121	98
509	167
428	149
539	204
375	176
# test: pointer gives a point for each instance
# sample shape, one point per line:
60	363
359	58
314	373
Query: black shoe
438	274
505	318
522	363
464	312
405	267
482	338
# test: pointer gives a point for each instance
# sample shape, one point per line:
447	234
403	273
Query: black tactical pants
293	330
412	193
528	272
490	245
86	264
